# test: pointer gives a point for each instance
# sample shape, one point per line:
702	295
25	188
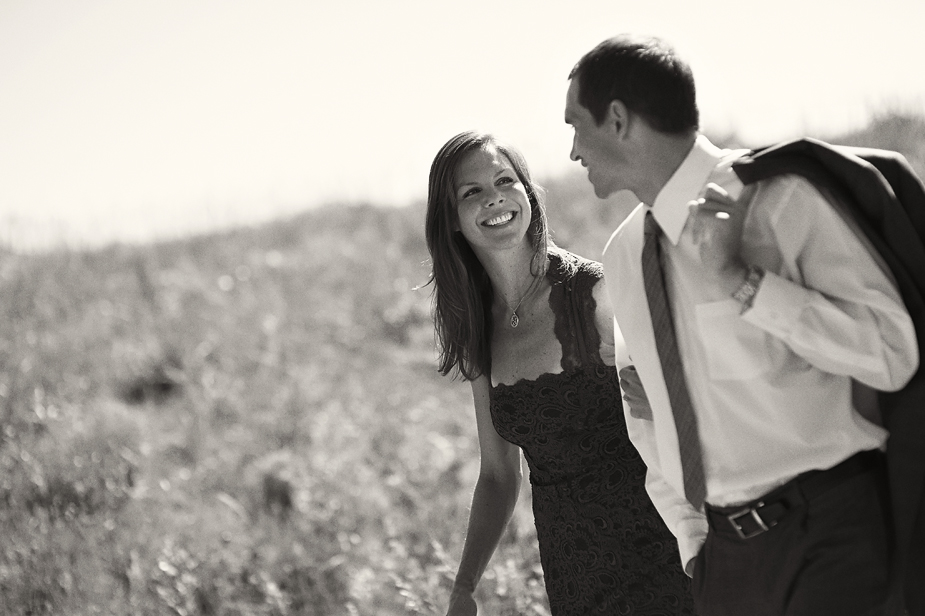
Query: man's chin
602	192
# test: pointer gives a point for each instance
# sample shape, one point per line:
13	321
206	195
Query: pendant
515	320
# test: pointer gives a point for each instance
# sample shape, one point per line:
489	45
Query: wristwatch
745	294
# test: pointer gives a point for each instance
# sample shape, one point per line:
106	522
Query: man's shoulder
813	159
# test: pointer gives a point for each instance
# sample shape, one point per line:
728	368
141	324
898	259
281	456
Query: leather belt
762	514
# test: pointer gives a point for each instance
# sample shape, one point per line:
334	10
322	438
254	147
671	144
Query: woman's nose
493	198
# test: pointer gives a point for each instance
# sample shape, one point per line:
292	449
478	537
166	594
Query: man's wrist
747	291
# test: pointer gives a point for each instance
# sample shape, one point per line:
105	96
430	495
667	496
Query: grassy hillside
247	423
250	422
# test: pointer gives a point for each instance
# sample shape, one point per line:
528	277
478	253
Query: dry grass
248	423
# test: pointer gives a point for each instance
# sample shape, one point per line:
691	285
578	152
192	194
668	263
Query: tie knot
651	226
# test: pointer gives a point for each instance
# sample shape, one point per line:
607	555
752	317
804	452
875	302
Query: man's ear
618	117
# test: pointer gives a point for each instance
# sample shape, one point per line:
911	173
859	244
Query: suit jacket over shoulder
886	201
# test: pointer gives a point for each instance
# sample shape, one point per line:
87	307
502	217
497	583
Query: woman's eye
470	192
505	180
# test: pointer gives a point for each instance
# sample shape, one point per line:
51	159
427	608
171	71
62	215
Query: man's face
595	146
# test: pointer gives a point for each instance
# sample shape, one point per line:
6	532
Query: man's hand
715	230
634	394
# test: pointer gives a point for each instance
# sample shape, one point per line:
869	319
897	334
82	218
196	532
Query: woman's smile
500	220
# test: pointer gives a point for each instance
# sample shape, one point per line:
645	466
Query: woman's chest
527	351
575	404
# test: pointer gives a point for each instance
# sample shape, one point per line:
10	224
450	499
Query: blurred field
251	422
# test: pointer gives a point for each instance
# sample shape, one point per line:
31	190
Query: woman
528	325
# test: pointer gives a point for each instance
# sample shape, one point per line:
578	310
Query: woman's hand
461	603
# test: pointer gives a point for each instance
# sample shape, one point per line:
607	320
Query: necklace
515	320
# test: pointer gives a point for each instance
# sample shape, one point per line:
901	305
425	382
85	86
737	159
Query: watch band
745	294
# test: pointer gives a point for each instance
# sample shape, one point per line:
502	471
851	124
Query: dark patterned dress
603	546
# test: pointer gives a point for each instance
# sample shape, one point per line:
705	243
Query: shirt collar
670	207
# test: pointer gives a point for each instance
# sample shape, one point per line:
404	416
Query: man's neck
664	154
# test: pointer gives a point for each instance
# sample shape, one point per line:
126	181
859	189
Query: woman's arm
493	502
603	320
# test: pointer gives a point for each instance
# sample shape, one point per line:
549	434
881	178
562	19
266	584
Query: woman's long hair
462	294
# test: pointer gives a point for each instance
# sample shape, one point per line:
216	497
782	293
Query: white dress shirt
771	386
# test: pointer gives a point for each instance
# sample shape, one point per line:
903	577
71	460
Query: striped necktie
667	347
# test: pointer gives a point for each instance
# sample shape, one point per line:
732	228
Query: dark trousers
826	554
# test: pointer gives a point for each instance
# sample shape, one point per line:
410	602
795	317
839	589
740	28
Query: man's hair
463	293
646	74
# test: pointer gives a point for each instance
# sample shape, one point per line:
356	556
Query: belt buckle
753	511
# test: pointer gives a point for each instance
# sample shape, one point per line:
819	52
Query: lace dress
603	547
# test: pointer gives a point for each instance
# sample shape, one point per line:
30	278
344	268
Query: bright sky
134	119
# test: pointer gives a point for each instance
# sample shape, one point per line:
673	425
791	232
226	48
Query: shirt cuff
777	306
691	541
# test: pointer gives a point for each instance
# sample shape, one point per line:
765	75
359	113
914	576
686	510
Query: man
771	318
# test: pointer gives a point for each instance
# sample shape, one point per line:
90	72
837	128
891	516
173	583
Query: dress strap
572	301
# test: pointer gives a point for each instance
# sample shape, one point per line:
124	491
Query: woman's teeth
498	220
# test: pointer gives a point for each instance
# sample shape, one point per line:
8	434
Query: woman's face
491	202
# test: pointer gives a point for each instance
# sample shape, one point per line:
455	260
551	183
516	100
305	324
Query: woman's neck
511	273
